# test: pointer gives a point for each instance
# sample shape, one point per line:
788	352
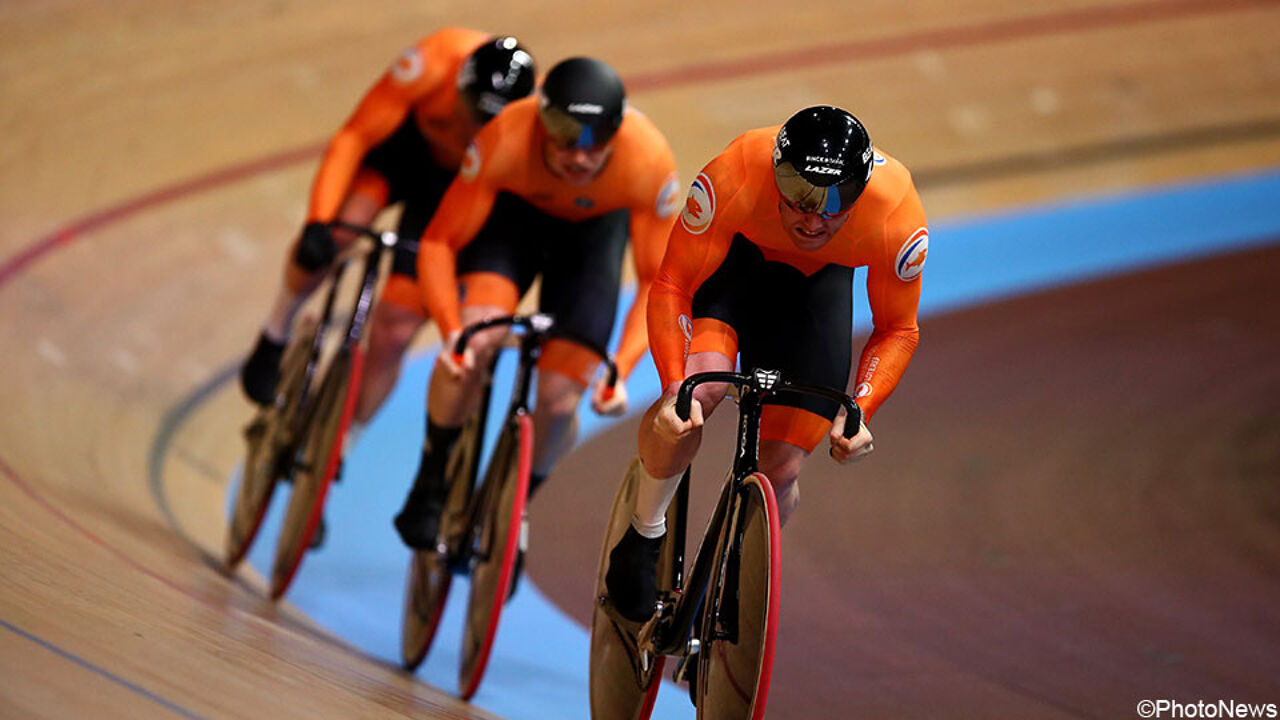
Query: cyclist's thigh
415	181
582	274
581	279
507	246
805	331
721	305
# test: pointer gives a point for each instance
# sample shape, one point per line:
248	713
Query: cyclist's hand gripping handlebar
769	382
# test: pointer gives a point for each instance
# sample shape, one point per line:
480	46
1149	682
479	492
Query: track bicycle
722	623
480	524
298	438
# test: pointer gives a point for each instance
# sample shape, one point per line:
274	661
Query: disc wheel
739	623
619	684
317	462
496	542
268	442
431	570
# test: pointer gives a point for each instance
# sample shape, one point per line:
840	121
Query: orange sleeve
650	226
379	113
461	213
893	291
699	241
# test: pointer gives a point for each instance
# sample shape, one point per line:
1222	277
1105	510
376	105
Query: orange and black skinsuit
507	218
404	142
732	279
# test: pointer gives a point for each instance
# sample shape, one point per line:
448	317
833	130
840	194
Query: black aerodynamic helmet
822	160
494	74
582	102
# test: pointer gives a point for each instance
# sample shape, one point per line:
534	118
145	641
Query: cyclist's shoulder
430	64
511	130
639	131
734	178
744	160
642	153
508	139
889	190
890	180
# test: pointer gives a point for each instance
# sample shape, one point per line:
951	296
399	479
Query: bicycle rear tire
431	570
619	687
319	456
268	442
739	624
497	542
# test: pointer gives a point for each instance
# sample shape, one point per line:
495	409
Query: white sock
653	495
281	318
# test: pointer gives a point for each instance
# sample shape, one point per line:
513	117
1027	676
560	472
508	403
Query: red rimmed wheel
268	445
495	546
621	686
318	461
739	624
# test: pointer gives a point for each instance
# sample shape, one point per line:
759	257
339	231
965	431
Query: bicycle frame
537	329
670	630
382	242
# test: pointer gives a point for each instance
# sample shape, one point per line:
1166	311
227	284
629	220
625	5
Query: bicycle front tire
318	460
431	570
739	624
267	439
619	686
496	543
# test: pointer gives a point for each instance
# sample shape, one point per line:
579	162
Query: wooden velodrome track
156	161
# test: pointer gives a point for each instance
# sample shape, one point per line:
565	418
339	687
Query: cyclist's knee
393	329
485	343
788	496
300	281
709	396
558	395
781	462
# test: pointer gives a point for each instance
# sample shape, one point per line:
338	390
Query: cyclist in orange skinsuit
762	263
555	185
404	143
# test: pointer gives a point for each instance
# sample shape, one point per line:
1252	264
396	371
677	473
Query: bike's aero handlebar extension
769	382
545	324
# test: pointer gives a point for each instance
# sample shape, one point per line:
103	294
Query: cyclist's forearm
341	160
667	338
884	360
635	336
438	280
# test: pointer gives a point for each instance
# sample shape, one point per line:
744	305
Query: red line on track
15	265
1085	19
1079	20
57	512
